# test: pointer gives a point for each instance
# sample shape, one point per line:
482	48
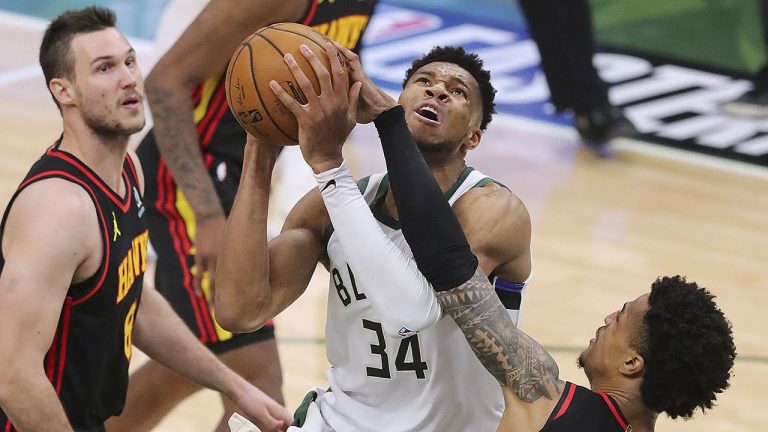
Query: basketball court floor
603	230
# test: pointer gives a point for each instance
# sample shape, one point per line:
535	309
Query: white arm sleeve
397	290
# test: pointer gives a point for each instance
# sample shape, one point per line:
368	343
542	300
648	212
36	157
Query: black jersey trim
617	414
123	203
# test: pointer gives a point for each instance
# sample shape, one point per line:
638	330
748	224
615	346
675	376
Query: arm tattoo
511	356
177	140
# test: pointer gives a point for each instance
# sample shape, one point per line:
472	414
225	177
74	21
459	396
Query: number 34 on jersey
408	358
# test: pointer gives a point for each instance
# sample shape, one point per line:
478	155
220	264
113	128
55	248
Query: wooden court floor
603	231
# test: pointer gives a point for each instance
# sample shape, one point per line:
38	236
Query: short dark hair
688	347
56	58
470	62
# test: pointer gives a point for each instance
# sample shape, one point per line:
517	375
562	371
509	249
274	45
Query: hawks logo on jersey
132	265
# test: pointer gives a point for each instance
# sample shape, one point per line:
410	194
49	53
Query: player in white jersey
395	363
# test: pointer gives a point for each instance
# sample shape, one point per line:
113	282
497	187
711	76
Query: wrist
389	115
236	388
324	164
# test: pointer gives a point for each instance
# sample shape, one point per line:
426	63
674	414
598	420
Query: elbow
237	317
237	323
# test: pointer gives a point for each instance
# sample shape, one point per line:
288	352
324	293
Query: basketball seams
325	38
250	112
256	84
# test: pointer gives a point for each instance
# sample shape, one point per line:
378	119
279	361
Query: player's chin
133	126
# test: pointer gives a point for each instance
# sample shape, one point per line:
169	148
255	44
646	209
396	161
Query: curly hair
469	62
688	347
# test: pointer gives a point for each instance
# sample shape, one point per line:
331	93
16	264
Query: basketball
257	61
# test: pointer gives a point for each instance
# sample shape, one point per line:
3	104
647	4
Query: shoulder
492	203
498	228
53	197
51	213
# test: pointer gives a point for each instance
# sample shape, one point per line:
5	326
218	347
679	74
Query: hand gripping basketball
259	60
325	118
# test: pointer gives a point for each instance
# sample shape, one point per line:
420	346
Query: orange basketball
257	61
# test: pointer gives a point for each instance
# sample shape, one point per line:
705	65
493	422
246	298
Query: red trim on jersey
311	14
133	170
66	315
222	108
207	317
211	110
50	357
614	410
164	204
123	203
567	402
105	261
208	160
8	426
197	93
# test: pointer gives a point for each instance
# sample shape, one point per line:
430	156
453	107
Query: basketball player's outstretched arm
201	52
163	336
518	362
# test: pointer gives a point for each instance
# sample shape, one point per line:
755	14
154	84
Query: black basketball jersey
87	362
220	135
581	409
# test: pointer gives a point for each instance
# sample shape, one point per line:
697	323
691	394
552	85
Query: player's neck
446	175
629	401
446	171
104	156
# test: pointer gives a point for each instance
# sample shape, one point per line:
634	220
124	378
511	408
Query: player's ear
472	140
633	365
62	90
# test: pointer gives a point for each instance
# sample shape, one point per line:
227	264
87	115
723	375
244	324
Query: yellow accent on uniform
188	216
209	86
128	331
345	30
132	265
115	229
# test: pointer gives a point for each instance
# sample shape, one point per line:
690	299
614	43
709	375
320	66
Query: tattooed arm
512	357
527	373
202	52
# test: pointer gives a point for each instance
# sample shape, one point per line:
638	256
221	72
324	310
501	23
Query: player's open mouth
131	102
428	112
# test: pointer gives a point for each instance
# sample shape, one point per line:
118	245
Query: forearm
178	142
389	277
438	243
164	337
512	357
242	280
30	402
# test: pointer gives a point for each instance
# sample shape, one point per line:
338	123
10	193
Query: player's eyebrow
130	52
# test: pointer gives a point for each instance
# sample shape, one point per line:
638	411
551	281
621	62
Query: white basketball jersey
426	382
